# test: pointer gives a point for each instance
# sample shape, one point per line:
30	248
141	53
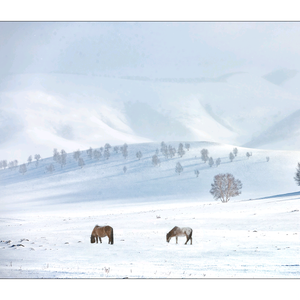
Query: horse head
92	239
168	237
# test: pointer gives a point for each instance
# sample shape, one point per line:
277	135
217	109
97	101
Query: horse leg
187	239
97	239
176	239
100	239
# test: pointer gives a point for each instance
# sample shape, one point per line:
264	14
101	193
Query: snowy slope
42	112
46	219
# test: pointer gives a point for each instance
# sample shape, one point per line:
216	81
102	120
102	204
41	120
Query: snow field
52	216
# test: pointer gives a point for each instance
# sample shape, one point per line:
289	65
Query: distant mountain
283	135
40	112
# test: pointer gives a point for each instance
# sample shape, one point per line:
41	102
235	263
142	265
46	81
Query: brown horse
180	231
102	231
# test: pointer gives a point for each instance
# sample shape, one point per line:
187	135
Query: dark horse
180	231
102	231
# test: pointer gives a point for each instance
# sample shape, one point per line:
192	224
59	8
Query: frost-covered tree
197	173
248	154
204	155
218	161
211	162
231	156
267	158
225	186
16	163
172	151
116	149
90	152
37	157
10	165
187	146
178	168
50	168
29	160
106	153
107	146
97	154
23	169
124	169
4	164
124	150
180	150
155	160
139	155
55	155
76	155
235	151
81	162
156	151
297	175
63	158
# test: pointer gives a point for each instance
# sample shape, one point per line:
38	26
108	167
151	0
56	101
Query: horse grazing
102	231
180	231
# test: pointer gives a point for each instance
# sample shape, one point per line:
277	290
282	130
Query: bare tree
218	161
180	150
225	186
29	160
231	156
204	155
178	168
297	175
211	162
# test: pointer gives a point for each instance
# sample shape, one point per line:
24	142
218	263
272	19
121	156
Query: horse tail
112	236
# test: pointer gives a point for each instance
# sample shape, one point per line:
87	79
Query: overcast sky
153	49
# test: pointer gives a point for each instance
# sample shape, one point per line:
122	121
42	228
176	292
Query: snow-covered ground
46	219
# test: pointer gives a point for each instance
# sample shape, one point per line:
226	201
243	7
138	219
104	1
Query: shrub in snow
124	169
267	158
211	162
218	161
297	177
225	186
231	156
197	173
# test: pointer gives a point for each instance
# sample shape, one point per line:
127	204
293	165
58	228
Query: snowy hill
47	218
40	112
